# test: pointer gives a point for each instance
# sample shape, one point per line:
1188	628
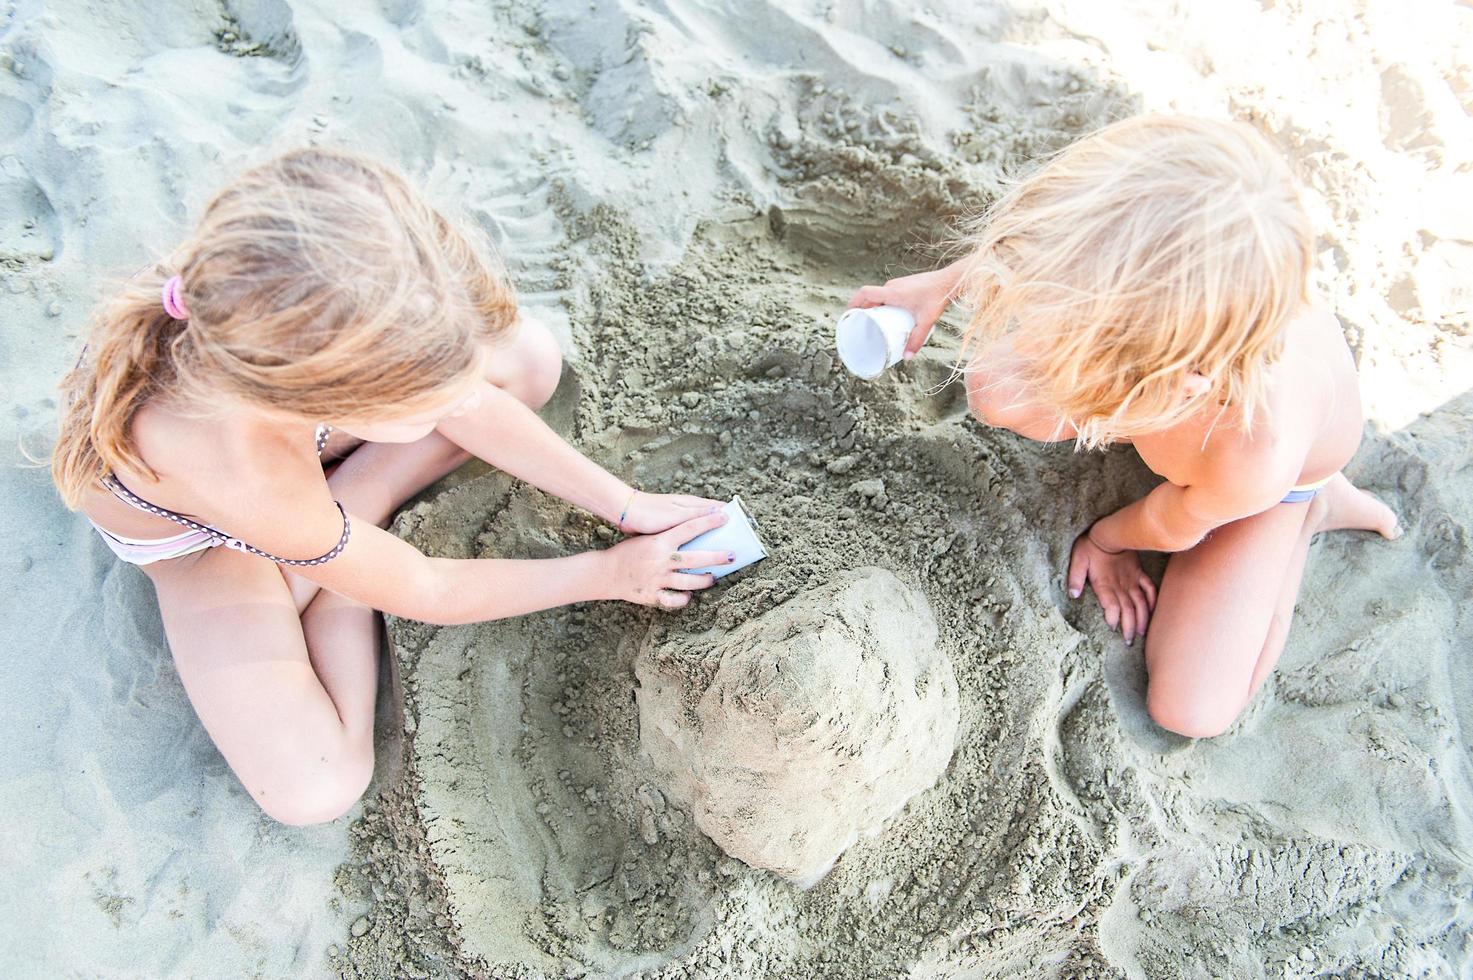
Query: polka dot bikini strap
219	536
336	550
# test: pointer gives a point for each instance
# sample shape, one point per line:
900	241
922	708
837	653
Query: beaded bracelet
627	504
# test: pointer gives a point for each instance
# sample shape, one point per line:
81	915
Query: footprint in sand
29	230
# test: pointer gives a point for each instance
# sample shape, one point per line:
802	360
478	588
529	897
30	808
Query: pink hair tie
173	296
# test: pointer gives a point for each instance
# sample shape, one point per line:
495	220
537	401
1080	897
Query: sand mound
544	817
822	718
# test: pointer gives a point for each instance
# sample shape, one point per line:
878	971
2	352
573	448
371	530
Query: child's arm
511	437
1175	518
1169	518
994	396
998	398
389	574
642	569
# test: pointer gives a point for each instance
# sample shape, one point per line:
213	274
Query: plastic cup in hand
871	340
738	535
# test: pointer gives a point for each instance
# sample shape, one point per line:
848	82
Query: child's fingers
671	599
869	296
1112	610
701	559
1149	588
695	527
917	338
1127	622
1142	609
1078	573
688	582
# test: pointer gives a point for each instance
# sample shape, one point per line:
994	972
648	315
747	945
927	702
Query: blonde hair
1157	246
320	285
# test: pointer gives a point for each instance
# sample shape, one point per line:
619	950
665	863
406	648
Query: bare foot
1341	506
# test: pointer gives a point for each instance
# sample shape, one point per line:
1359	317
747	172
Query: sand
688	193
793	733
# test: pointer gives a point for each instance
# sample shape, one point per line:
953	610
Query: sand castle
824	717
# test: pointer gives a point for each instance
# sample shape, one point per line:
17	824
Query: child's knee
1190	714
322	799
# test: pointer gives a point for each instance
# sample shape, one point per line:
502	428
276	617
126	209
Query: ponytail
129	357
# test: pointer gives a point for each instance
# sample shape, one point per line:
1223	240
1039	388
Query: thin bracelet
625	512
1090	534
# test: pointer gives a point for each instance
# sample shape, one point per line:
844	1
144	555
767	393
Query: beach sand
688	193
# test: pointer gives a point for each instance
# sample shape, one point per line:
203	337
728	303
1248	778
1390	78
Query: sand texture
793	733
688	192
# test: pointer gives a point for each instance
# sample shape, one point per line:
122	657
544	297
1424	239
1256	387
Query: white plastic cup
871	340
738	535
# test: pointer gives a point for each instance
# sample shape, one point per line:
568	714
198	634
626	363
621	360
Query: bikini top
217	536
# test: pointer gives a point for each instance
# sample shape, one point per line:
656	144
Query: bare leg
527	365
303	751
1339	506
1224	608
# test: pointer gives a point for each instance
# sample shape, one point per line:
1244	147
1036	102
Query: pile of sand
792	734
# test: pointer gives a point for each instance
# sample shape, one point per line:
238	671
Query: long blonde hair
1158	246
320	285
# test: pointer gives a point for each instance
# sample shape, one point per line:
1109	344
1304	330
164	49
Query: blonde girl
323	312
1149	286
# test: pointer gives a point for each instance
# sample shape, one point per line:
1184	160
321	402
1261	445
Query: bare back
200	465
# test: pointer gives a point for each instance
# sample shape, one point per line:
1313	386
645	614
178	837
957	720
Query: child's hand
645	568
924	295
1126	592
651	513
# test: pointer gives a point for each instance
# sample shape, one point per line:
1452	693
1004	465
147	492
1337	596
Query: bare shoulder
156	434
192	462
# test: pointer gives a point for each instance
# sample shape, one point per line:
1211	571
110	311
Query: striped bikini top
218	536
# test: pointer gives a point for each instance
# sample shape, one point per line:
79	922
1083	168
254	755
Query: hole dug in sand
824	716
